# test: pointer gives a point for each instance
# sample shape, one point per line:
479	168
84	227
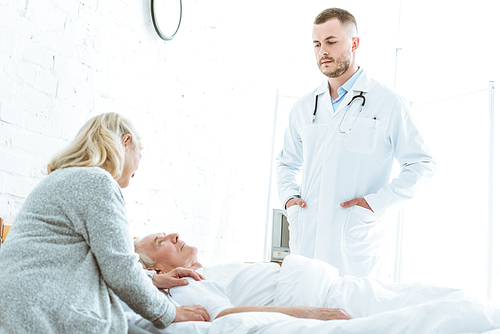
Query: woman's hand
174	278
323	313
191	313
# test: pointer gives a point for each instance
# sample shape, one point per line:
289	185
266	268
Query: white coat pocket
363	135
363	235
293	220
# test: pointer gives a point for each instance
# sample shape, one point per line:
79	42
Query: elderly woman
69	255
232	288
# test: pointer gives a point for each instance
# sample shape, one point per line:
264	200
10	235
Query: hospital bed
377	307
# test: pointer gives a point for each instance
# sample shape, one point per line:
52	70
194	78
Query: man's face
168	251
333	48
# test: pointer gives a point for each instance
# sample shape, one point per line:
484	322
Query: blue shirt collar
342	90
349	83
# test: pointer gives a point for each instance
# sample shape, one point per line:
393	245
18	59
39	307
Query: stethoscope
360	95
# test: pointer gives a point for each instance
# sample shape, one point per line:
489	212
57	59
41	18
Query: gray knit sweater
69	254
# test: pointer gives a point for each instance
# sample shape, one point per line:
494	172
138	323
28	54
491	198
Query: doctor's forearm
411	179
287	181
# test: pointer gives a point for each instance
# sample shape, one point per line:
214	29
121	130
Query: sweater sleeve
105	227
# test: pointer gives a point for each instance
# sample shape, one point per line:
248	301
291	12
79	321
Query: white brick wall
204	103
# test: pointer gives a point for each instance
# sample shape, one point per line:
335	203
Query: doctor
344	137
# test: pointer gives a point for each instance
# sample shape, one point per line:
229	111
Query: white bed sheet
377	307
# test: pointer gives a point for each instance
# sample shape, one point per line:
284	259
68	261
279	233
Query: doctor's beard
341	65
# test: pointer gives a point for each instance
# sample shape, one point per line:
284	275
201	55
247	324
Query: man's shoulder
309	95
378	87
307	101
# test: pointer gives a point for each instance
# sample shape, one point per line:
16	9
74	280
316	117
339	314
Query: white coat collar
363	84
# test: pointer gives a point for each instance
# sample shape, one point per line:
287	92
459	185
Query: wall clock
167	15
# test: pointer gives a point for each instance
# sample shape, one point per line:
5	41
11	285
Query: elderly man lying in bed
227	289
310	288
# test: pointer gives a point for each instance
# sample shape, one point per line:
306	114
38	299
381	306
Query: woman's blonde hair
98	143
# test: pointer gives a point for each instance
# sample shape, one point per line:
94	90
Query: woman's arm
320	313
97	211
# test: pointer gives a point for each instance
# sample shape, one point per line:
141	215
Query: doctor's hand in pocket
295	201
357	201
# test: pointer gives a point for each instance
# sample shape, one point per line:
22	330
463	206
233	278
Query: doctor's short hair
145	260
344	17
98	143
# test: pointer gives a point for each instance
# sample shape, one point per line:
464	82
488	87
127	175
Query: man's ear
158	271
355	43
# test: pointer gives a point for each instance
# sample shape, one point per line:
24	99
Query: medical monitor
280	236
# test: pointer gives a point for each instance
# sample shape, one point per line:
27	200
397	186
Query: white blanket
377	307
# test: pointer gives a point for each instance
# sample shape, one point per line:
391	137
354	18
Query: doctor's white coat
337	167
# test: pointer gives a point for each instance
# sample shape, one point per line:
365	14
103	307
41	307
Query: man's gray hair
145	260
